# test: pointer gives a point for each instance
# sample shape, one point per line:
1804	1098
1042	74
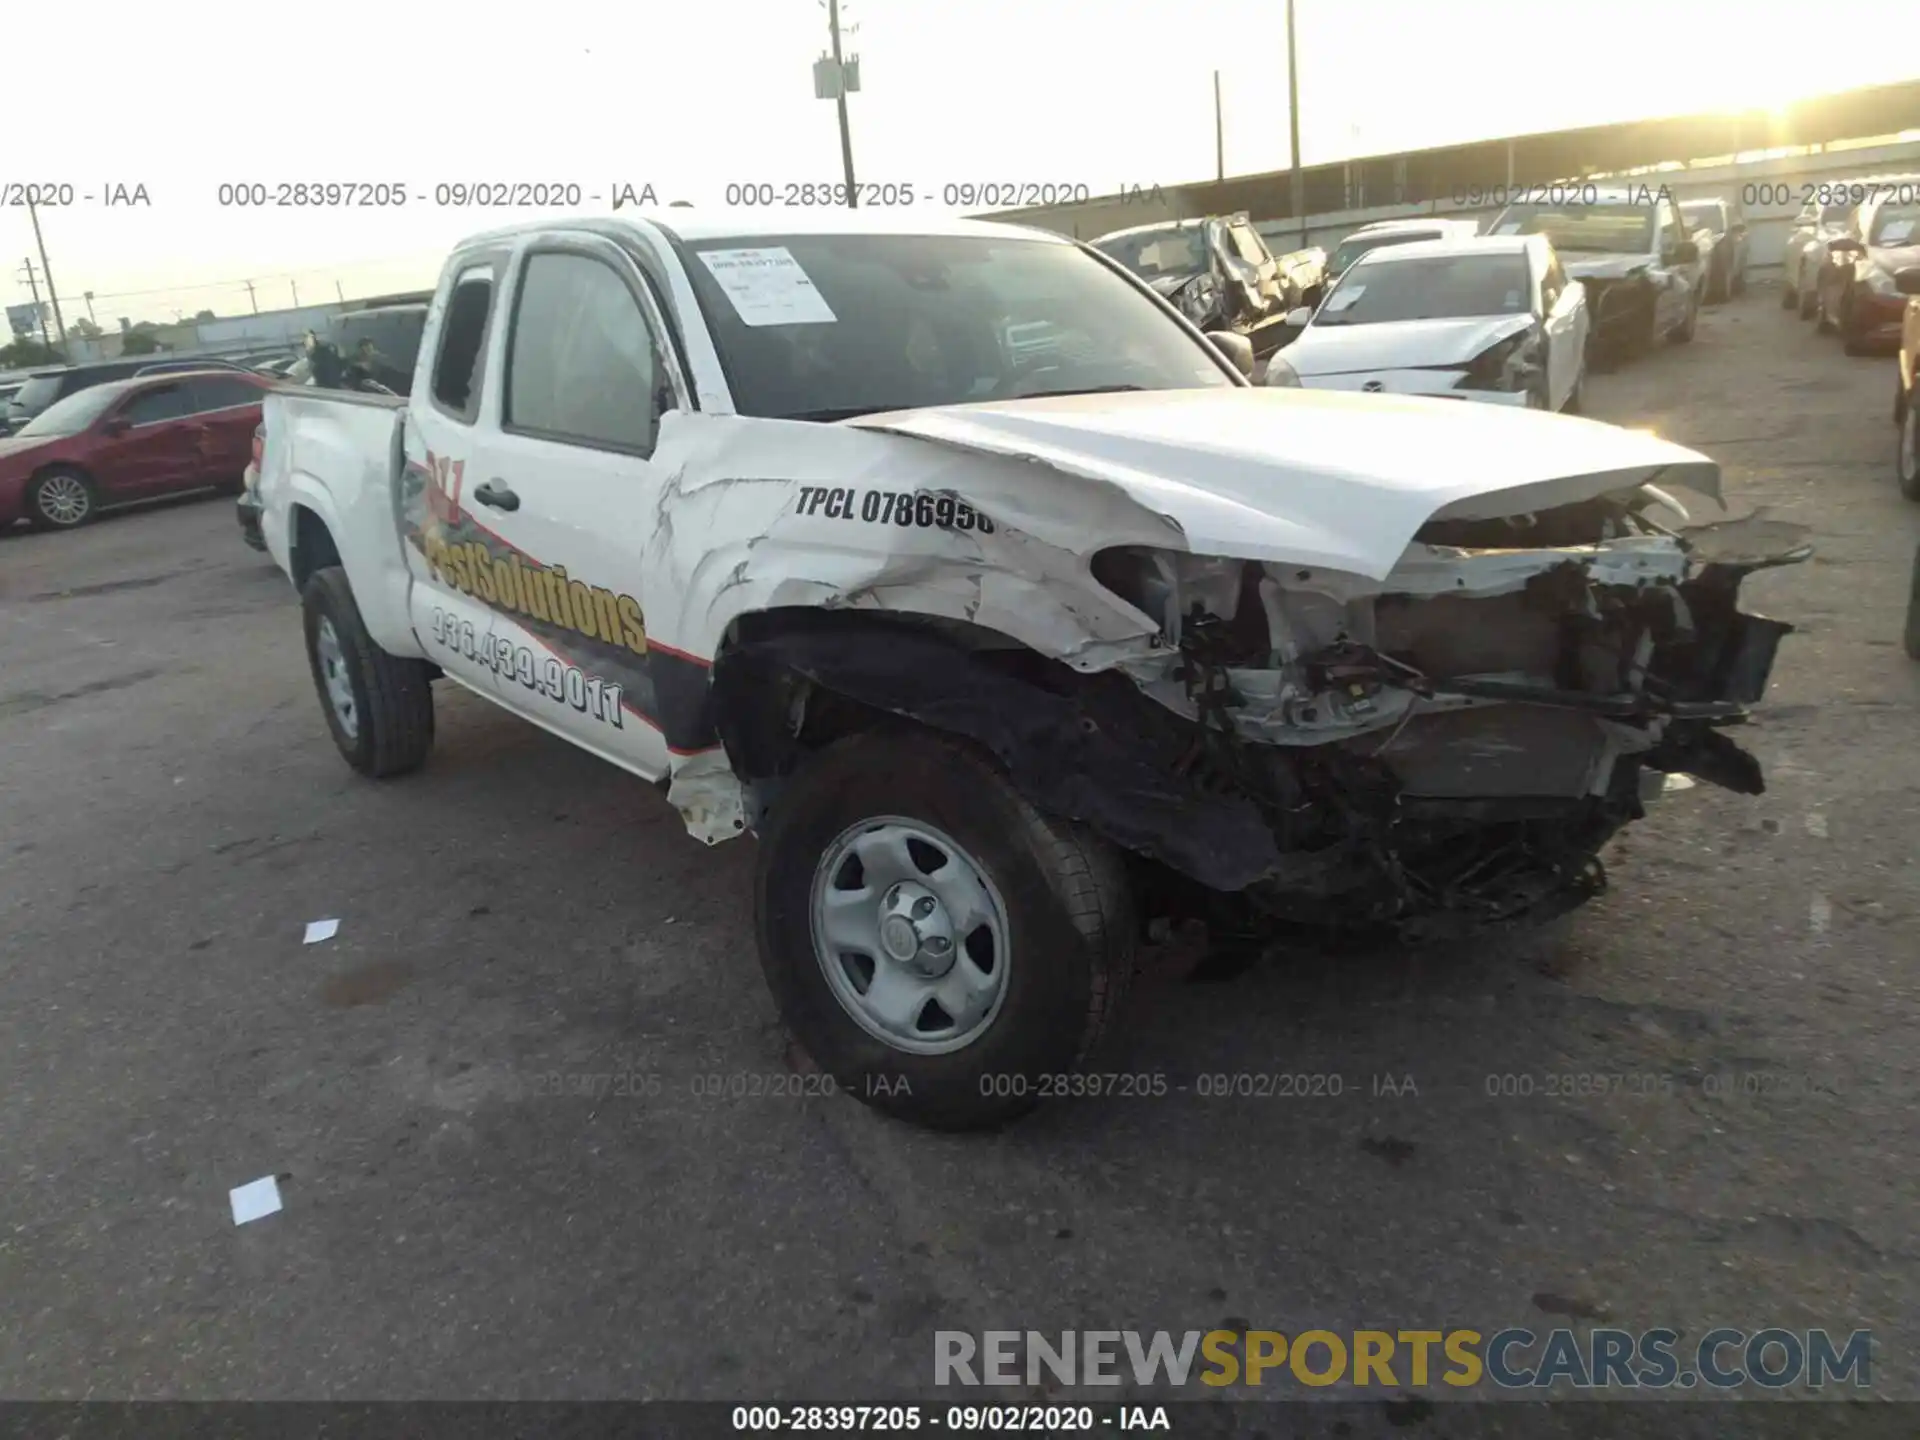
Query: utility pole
53	295
1293	132
1219	134
296	293
338	291
91	319
833	79
33	289
250	300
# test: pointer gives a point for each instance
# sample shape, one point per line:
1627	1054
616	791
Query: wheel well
313	547
62	467
771	716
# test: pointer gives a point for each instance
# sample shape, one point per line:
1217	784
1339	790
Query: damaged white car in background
961	569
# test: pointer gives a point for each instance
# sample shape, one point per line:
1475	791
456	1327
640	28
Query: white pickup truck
1007	655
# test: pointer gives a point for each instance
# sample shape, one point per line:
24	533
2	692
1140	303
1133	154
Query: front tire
379	707
941	948
62	498
1907	458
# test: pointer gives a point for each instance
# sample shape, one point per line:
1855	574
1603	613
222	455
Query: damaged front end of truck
1442	750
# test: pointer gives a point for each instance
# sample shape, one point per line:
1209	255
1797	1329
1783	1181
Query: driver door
146	446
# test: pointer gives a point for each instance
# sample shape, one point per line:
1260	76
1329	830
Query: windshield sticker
1896	232
1343	299
767	287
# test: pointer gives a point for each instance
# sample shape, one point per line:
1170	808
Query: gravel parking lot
489	1104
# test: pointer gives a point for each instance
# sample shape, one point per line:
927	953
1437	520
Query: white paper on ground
255	1200
318	930
767	286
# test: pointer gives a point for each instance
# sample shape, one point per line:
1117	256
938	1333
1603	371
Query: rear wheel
945	951
60	499
379	707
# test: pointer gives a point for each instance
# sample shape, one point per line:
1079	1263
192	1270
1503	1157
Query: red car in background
129	440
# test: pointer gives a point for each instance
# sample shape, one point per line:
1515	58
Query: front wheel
1683	332
1907	462
946	952
60	499
379	707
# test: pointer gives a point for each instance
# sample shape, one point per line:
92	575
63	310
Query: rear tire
1059	933
61	498
1682	333
379	707
1809	302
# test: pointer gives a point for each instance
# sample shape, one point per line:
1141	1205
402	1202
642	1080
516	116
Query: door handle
498	494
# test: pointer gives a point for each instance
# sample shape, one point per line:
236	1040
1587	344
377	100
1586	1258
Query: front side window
72	415
1619	227
150	407
1438	287
583	364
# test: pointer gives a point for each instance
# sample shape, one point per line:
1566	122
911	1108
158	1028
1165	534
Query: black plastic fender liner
1070	752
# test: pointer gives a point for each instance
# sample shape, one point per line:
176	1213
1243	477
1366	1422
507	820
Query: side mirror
1845	245
1236	347
1297	319
1907	281
1684	252
116	425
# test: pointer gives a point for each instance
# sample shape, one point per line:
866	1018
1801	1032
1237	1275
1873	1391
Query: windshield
1160	252
1896	225
1439	287
823	327
37	393
1707	214
72	415
1617	227
1354	246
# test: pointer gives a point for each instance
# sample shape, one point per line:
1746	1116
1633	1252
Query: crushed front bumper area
1428	762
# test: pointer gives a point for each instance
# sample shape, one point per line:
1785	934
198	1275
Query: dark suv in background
50	386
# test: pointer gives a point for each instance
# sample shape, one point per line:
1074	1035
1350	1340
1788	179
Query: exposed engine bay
1449	748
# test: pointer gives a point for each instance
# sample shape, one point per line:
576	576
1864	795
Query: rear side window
215	394
463	344
584	365
149	407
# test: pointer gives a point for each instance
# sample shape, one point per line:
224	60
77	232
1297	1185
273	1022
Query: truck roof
750	224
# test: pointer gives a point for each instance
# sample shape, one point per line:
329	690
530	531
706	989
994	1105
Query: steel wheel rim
911	935
339	685
63	499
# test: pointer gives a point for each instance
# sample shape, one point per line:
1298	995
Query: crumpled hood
1603	267
1312	477
1398	345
